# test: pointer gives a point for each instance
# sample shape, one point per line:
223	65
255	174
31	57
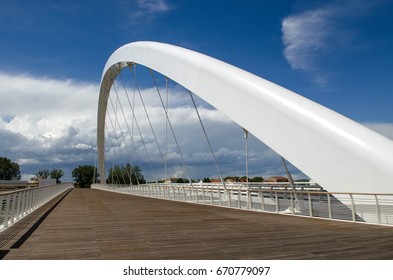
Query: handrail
355	207
15	205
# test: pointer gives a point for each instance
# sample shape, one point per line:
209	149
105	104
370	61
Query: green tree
57	174
9	170
125	175
257	179
43	174
85	175
180	180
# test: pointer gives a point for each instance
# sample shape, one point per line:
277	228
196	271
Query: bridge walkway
94	224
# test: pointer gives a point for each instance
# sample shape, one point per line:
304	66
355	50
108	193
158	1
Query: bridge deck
94	224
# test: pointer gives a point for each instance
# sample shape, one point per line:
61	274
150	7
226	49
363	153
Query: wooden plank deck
94	224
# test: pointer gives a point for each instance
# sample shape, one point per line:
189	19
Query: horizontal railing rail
305	200
16	205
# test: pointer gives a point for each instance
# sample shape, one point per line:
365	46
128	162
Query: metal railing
305	200
16	205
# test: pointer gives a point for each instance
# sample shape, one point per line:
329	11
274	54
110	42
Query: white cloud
45	107
154	6
44	123
226	138
324	32
139	12
47	123
304	35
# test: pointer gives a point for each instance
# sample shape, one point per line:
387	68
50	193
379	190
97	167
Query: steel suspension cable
122	135
207	139
147	114
114	152
136	123
170	125
132	139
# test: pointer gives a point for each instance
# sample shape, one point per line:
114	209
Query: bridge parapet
306	200
16	205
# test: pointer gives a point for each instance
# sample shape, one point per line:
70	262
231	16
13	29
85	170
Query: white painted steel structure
338	153
305	200
18	204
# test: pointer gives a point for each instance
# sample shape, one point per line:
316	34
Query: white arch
338	153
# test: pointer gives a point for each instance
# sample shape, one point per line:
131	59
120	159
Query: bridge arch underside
336	152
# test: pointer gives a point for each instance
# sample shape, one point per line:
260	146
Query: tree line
83	175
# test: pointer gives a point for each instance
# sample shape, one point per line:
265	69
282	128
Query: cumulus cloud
226	138
47	123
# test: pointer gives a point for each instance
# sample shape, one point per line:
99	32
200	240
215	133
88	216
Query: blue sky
52	53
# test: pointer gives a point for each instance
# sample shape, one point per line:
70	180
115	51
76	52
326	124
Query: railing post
378	209
239	203
353	208
36	199
28	201
196	195
6	212
19	206
329	206
12	208
33	198
219	195
25	200
249	206
310	205
31	201
277	205
292	204
229	197
262	201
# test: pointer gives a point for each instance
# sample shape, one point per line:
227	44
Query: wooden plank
94	224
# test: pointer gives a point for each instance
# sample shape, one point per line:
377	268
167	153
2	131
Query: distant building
277	179
12	185
215	181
